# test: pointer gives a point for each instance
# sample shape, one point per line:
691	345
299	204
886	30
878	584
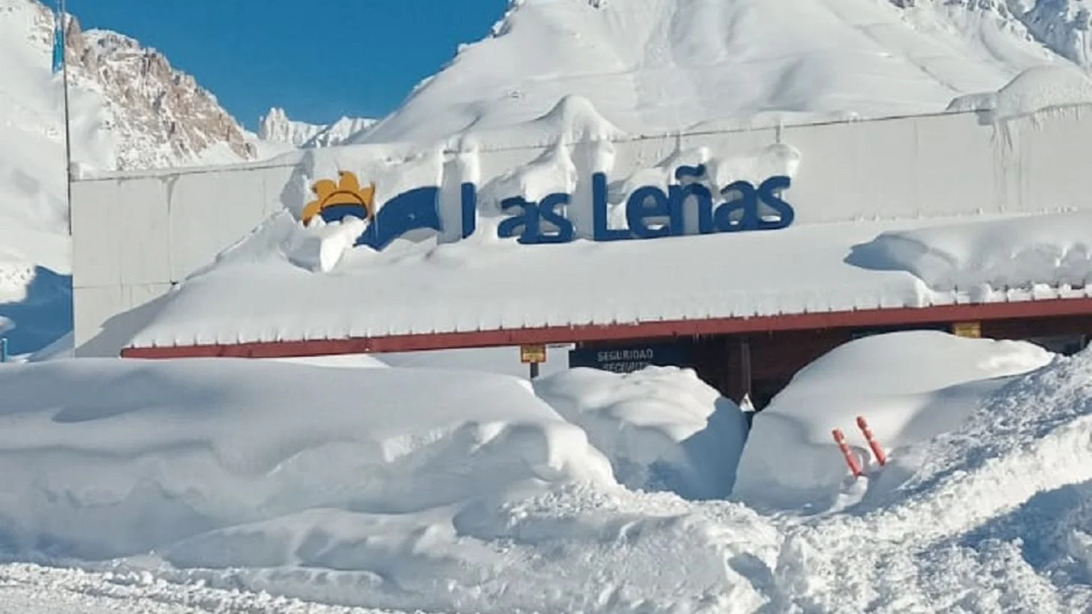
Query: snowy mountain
276	127
656	65
161	115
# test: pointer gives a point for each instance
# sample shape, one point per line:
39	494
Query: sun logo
335	201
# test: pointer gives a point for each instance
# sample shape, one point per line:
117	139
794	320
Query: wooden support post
745	367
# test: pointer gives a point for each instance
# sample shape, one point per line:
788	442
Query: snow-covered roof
477	286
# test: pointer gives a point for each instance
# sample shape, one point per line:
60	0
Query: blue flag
58	41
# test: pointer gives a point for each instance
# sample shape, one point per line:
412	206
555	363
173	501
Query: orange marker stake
851	460
881	458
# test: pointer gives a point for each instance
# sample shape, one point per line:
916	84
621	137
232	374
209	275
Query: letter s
548	210
769	193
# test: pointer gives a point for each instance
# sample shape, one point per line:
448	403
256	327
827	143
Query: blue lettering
547	209
601	231
470	209
681	193
638	210
524	225
746	205
417	209
769	193
650	211
679	196
696	172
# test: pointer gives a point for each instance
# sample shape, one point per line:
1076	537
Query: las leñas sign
650	211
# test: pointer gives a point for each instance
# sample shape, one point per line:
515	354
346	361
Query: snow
654	66
321	246
311	485
1033	90
340	361
944	539
33	210
259	294
662	428
234	486
276	127
896	383
191	448
502	360
428	491
32	589
987	256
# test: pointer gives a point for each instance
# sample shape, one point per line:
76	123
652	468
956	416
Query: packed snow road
30	589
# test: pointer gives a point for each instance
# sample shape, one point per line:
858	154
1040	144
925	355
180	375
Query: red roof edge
618	332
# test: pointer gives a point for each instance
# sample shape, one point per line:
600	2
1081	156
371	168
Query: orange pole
851	460
881	458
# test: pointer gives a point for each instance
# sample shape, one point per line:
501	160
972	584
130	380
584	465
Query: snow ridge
276	127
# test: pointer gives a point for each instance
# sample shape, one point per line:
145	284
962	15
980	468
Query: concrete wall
137	235
134	237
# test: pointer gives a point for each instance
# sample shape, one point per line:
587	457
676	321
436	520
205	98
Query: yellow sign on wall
971	330
532	354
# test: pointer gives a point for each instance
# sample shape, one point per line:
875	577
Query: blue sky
319	59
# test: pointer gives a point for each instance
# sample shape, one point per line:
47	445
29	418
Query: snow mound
249	484
985	256
662	427
339	361
909	386
319	247
1034	89
991	516
394	488
181	450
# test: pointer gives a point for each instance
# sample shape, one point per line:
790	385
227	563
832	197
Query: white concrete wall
135	236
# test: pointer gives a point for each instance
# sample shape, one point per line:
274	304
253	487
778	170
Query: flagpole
67	133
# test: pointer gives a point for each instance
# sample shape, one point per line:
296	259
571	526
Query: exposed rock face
162	116
158	116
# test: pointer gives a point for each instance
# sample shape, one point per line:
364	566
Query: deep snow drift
444	491
416	488
661	65
987	256
896	382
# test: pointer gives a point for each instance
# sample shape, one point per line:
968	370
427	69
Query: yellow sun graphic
345	193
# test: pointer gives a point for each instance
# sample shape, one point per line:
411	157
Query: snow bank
909	386
986	256
502	360
239	484
91	449
391	488
341	361
1034	89
662	427
255	294
991	516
